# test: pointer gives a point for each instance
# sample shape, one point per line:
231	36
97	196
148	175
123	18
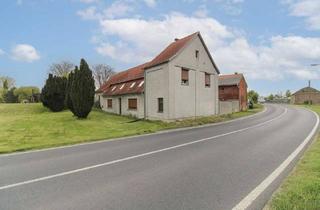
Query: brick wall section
235	92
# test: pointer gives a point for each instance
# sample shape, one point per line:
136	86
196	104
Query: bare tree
102	73
6	82
61	69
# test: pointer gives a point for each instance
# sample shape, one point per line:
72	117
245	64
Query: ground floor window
109	103
132	104
160	105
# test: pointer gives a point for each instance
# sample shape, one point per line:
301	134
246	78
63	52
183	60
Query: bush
82	90
250	105
53	93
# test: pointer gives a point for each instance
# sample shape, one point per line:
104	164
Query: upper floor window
197	53
207	79
132	103
160	105
184	76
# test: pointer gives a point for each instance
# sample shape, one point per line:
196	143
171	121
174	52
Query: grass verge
301	189
31	126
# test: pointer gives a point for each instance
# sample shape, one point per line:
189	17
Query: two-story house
180	82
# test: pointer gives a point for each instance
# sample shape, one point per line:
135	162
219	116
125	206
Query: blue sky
273	42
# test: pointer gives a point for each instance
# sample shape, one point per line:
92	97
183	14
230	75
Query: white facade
120	105
162	83
182	101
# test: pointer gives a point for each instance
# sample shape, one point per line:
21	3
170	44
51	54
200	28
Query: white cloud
140	39
2	52
147	37
150	3
118	9
25	52
89	14
89	1
308	9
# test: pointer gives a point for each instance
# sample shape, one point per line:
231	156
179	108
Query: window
132	103
184	76
122	86
141	83
109	103
207	79
197	53
132	85
160	105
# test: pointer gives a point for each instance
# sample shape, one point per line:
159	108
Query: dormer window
197	53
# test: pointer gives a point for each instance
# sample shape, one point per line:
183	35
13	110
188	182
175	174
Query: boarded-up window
109	103
207	79
132	103
160	105
184	76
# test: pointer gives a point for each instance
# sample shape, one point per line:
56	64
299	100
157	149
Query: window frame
109	103
160	105
207	75
130	107
197	54
184	80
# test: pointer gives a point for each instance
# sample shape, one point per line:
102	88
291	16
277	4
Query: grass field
31	126
301	190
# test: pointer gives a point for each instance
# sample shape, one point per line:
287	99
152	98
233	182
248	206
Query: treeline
74	91
11	94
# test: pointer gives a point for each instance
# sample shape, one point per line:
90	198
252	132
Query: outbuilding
232	93
306	95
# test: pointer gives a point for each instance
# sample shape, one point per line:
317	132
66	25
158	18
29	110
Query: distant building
232	88
180	82
307	95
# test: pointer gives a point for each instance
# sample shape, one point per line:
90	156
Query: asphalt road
213	167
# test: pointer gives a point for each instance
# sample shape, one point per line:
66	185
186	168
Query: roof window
132	85
141	83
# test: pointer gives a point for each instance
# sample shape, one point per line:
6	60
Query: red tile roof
230	79
136	74
171	50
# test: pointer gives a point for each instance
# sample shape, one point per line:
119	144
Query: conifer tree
53	93
82	90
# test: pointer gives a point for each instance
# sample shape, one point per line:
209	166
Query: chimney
176	39
309	83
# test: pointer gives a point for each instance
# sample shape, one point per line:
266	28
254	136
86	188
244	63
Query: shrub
53	93
82	90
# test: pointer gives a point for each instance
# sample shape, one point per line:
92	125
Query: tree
270	97
6	82
288	94
61	69
253	96
82	90
25	92
68	101
53	93
10	97
101	73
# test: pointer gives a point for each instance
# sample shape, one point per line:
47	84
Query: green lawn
301	190
31	126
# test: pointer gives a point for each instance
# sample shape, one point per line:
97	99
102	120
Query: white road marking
254	194
135	136
137	156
